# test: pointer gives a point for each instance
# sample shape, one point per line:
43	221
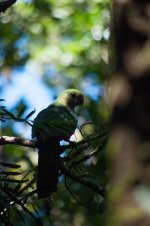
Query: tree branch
32	143
73	195
95	187
17	141
20	203
69	173
82	145
90	155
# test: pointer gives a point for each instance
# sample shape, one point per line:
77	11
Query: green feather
55	123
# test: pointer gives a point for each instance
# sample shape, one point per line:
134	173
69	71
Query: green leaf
10	173
8	112
19	214
15	181
22	110
30	114
10	165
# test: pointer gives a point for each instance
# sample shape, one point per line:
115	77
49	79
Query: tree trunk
129	95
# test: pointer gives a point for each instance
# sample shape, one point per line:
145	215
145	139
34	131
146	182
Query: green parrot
55	123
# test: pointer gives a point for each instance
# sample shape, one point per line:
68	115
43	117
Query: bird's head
71	98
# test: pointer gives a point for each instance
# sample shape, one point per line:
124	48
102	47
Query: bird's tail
48	167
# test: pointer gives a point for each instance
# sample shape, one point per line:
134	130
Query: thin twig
98	189
73	195
90	155
17	201
82	145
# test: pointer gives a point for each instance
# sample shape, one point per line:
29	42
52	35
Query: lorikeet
55	123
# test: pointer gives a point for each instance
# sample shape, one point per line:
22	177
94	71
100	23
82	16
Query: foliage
21	192
68	42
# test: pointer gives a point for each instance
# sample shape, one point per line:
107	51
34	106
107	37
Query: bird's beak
80	100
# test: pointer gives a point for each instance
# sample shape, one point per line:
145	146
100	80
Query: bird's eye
73	95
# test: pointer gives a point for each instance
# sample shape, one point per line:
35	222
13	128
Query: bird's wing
54	121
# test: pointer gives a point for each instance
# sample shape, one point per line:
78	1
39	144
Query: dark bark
132	33
129	147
